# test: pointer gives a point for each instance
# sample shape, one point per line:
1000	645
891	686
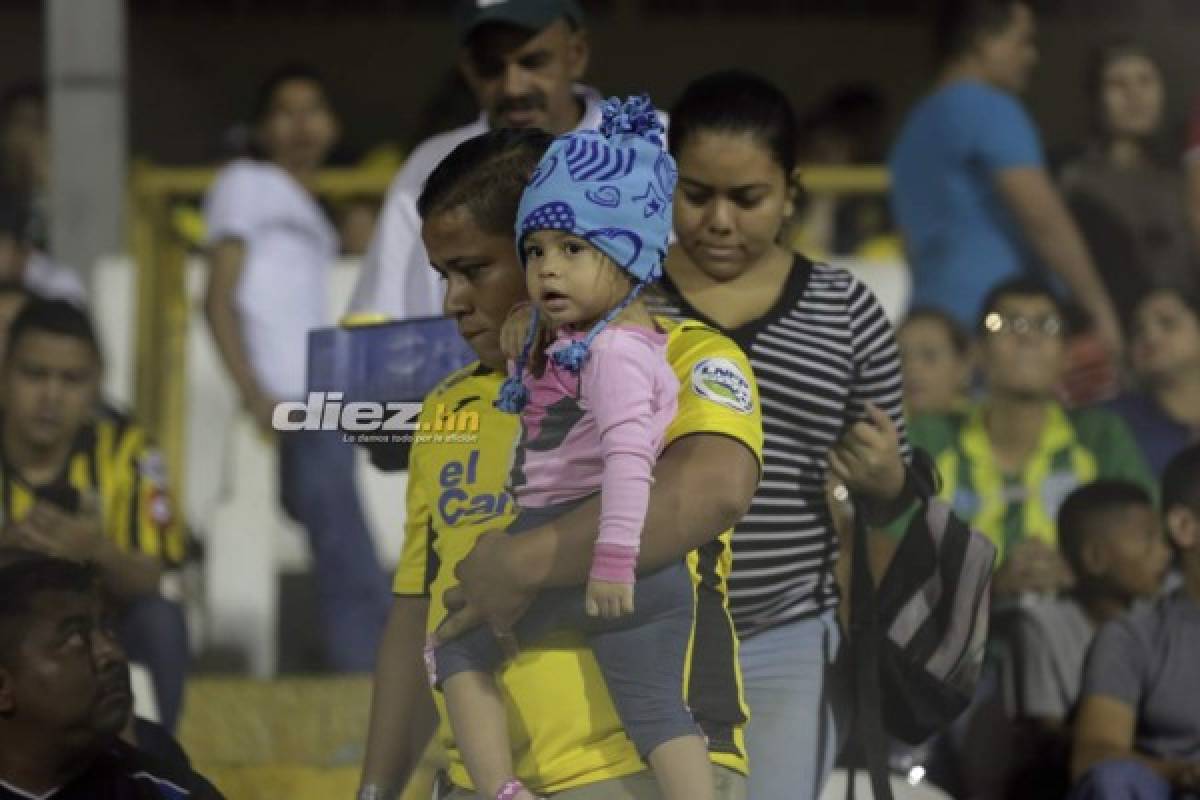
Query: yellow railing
163	234
161	240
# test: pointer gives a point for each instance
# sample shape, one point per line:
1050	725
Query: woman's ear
794	196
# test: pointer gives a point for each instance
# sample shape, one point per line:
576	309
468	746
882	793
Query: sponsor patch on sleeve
722	381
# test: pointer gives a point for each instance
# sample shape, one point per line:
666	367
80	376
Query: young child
1137	734
935	358
1109	535
592	231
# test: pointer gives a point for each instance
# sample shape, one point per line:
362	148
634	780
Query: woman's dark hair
265	95
485	175
960	340
53	316
1102	58
734	101
961	22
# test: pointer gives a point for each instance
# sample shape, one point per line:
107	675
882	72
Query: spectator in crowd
1128	203
845	128
21	262
82	483
25	152
270	250
1009	460
566	735
522	59
146	735
970	192
829	372
935	356
65	696
1164	415
1109	535
1138	731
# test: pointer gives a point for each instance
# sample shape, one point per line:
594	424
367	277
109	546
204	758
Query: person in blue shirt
970	190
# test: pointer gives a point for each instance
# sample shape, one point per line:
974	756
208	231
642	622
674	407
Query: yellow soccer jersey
112	458
563	728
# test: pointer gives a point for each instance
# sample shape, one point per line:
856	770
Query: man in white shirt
522	59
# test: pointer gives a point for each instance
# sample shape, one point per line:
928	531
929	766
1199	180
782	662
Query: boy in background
1109	535
1138	731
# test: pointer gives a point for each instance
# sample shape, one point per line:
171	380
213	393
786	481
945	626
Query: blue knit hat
611	187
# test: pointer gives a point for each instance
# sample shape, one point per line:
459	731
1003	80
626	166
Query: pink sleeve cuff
613	563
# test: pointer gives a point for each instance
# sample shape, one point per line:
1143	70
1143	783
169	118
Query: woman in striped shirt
828	372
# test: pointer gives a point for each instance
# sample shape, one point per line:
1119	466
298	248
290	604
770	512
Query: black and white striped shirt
820	354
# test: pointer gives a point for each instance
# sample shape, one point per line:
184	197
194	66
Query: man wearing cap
522	59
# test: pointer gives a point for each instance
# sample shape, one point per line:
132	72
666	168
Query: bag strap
866	641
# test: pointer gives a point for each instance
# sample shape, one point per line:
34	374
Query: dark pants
1124	780
316	483
153	633
641	655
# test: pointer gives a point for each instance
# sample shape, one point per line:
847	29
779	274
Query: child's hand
609	600
515	330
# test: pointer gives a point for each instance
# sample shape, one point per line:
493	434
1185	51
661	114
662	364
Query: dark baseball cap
531	14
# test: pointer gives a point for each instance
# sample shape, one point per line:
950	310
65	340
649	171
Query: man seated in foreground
65	697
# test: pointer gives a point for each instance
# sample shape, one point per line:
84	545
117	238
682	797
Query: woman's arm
226	260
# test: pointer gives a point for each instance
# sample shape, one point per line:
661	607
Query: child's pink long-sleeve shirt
600	430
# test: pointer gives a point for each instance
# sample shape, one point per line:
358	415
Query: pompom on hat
612	188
